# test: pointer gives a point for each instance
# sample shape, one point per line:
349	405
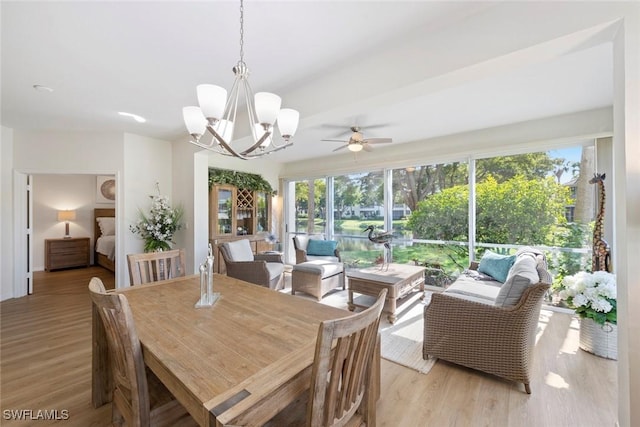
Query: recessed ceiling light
135	117
41	88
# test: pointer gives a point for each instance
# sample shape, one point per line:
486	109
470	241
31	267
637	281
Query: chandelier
217	114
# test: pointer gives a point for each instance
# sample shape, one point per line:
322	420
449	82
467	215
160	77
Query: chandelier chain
241	32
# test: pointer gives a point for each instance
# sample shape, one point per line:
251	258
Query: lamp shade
212	100
267	107
194	120
355	147
288	122
66	215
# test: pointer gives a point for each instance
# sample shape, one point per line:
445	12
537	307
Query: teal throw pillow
496	265
321	247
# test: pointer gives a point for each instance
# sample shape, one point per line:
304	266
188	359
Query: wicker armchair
492	339
261	269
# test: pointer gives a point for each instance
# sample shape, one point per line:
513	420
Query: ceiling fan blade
340	148
335	140
367	147
332	126
378	126
378	140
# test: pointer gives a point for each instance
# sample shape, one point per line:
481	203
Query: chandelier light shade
216	114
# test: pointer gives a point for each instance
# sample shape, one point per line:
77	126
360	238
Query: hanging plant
249	181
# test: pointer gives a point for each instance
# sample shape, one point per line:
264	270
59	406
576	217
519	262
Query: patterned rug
402	341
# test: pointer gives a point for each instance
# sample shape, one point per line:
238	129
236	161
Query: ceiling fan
357	141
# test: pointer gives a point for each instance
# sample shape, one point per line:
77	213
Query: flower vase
601	340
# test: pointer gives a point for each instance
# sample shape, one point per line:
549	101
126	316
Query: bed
105	243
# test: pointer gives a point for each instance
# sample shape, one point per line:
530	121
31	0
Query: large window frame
470	160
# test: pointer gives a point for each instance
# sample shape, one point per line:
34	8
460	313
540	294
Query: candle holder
207	296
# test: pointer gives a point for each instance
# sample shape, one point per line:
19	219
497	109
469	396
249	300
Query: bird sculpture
384	238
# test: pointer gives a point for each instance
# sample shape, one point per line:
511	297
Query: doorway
45	205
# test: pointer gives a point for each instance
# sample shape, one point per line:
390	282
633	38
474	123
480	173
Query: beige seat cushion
320	267
483	289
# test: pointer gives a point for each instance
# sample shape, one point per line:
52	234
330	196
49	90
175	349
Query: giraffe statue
601	256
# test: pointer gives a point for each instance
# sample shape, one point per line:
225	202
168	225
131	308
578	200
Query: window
541	199
358	201
433	230
310	200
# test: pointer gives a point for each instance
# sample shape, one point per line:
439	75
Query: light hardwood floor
45	352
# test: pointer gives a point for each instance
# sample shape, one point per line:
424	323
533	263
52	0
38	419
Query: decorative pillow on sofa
496	265
321	247
522	275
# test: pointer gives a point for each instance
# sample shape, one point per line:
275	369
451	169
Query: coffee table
398	279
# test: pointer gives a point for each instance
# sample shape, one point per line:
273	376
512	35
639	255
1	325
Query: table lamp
66	216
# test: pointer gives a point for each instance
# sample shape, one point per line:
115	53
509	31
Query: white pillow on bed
107	225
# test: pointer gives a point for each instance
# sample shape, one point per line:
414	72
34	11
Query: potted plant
158	227
593	297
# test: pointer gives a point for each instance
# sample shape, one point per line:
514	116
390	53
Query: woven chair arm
301	256
268	257
249	271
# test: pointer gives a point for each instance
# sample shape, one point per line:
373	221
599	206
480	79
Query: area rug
402	341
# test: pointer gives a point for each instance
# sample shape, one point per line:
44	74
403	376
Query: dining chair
341	374
139	398
342	390
154	266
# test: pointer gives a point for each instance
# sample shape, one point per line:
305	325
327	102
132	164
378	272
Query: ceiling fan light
355	147
194	121
288	122
212	100
267	107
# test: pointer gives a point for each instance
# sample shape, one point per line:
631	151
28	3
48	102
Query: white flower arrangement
591	295
157	228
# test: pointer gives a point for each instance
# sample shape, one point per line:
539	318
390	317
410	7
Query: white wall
52	193
6	213
67	152
147	161
626	180
538	134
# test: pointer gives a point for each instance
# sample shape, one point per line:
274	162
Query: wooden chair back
341	375
131	393
154	266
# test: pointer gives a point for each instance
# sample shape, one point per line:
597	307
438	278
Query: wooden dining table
238	362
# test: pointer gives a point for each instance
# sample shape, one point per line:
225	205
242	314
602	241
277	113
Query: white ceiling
320	56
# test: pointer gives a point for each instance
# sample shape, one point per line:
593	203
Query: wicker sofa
484	324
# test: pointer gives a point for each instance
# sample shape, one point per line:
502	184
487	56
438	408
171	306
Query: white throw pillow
107	225
522	274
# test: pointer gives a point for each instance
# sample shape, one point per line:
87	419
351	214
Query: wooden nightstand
65	253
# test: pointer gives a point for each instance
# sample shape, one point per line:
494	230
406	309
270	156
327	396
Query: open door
23	214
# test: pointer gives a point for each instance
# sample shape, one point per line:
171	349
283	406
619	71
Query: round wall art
106	189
